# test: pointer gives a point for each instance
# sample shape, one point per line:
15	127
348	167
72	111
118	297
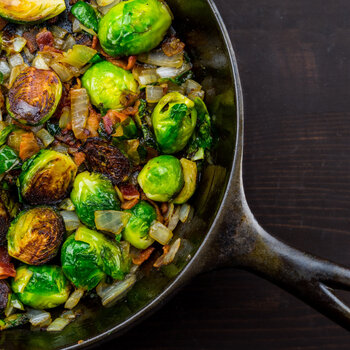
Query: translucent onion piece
70	42
45	137
19	43
111	220
30	57
176	88
15	60
160	233
147	76
58	43
194	94
5	69
67	204
38	317
105	9
160	59
58	32
110	294
174	220
170	211
71	220
166	72
192	85
65	118
58	324
154	93
40	63
168	258
184	212
62	71
79	111
76	26
74	298
79	56
60	147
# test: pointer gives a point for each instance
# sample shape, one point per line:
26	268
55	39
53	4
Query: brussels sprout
134	26
41	287
5	294
174	120
35	235
46	177
80	264
34	96
92	192
4	221
106	84
85	14
161	178
29	11
136	231
88	255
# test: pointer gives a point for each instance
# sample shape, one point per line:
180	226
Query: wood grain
294	59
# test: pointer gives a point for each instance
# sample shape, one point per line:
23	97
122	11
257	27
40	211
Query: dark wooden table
294	59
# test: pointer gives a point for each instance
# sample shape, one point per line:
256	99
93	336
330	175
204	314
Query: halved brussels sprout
161	178
174	120
106	84
34	96
134	26
46	177
35	235
189	169
136	230
5	294
80	264
92	192
88	255
41	287
28	11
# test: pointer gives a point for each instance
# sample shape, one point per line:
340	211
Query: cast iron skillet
223	231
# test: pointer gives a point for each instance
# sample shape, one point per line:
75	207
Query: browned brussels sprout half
31	11
46	177
5	292
35	235
34	96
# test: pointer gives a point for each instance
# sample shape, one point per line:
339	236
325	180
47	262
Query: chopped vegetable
160	233
86	15
111	220
79	112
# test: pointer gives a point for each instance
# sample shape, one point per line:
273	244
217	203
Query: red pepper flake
144	255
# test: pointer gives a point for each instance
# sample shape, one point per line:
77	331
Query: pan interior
198	28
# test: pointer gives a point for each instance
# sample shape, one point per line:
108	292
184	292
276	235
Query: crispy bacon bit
164	208
51	49
144	255
93	122
131	62
121	63
172	46
129	191
79	158
128	99
28	146
115	116
67	137
6	268
77	85
108	124
95	42
31	41
132	110
3	23
129	204
44	38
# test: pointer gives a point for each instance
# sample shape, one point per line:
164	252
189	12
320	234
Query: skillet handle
247	245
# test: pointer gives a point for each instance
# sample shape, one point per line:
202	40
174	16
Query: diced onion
166	72
105	9
184	212
15	60
111	220
38	317
174	220
67	204
110	294
19	43
71	220
70	42
168	258
170	211
76	26
62	71
154	93
79	56
58	32
58	324
79	111
176	88
194	94
65	118
5	69
160	233
160	59
45	137
192	85
29	55
14	74
58	43
145	76
74	298
60	147
40	63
